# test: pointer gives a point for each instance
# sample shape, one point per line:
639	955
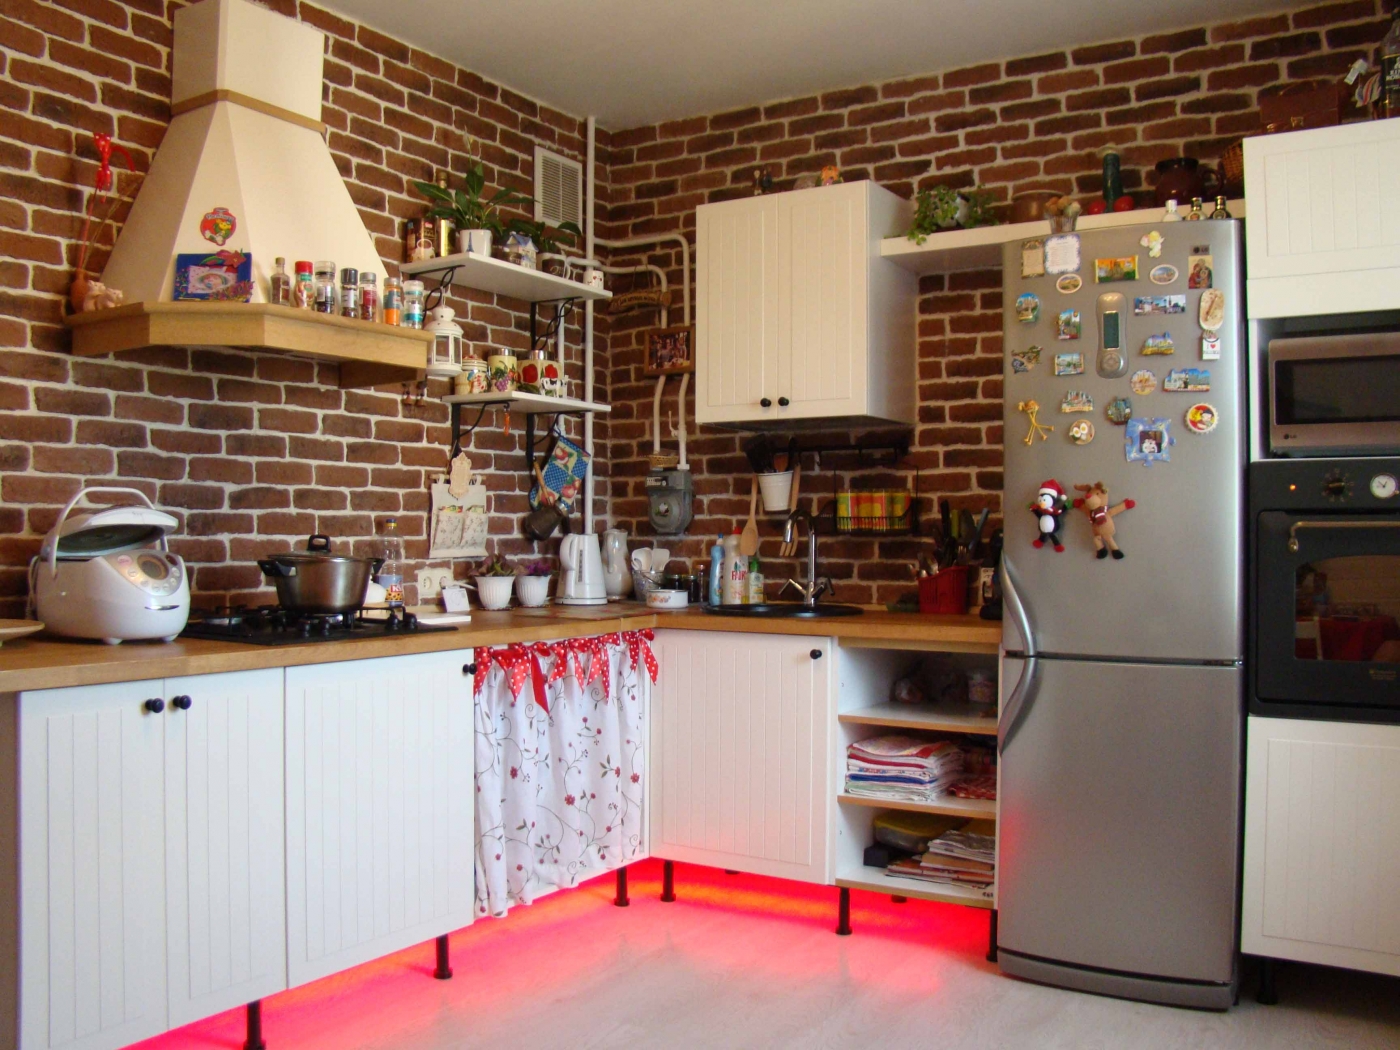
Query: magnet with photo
1144	305
1200	271
1158	345
1024	360
1164	274
1068	283
1081	432
1067	325
1187	381
1148	440
1124	268
1069	364
1077	401
1143	382
1119	410
1027	308
1201	418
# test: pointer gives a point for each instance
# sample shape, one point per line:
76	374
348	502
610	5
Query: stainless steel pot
317	581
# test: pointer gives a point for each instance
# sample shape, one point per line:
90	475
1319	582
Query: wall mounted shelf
499	277
368	353
982	247
528	405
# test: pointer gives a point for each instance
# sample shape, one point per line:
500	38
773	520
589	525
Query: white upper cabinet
1323	234
798	317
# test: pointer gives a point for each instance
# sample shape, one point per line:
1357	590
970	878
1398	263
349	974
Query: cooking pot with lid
317	581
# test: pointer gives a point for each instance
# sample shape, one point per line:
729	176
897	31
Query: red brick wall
1028	122
252	451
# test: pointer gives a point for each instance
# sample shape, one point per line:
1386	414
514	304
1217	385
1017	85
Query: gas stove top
273	625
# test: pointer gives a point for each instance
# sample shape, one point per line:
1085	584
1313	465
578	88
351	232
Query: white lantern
445	360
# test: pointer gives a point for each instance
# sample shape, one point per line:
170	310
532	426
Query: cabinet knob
783	402
469	669
155	705
182	702
765	402
816	654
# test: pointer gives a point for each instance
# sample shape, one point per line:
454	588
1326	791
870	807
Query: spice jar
412	304
324	301
349	292
393	301
369	296
304	287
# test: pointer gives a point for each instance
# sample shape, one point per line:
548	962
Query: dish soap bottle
736	570
715	591
390	575
754	583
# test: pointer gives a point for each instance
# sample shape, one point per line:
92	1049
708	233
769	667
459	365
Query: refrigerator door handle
1012	601
1018	703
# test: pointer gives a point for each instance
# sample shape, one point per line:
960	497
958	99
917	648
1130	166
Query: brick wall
252	451
1029	122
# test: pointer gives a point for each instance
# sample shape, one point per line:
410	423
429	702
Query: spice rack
885	451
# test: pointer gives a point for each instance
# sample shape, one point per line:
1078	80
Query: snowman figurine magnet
1049	508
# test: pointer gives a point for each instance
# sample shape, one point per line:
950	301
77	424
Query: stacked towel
902	768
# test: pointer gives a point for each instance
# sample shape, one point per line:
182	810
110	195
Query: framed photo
223	275
670	351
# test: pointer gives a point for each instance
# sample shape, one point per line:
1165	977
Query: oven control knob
1383	486
1336	485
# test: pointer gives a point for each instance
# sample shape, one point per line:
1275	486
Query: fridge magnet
1068	283
1069	364
1212	309
1048	508
1077	401
1082	432
1143	382
1201	418
1187	380
1158	344
1068	326
1030	408
1164	274
1025	360
1159	304
1062	253
1122	269
1199	271
1028	308
1094	503
1119	411
1033	258
217	226
1210	346
1147	441
226	276
1153	243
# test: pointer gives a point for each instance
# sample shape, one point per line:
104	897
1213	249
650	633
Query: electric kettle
617	578
583	571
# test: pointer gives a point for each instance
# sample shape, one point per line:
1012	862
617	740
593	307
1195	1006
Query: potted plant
944	208
532	583
475	217
494	580
547	242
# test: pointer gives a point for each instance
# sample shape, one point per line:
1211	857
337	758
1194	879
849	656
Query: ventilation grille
558	188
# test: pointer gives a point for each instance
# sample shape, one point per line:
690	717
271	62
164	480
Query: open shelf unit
877	881
945	806
947	718
527	404
499	277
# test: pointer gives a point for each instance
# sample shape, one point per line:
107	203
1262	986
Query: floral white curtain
560	762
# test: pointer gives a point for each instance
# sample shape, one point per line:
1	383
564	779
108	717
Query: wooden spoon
748	539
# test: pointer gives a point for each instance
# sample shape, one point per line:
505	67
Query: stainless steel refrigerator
1122	686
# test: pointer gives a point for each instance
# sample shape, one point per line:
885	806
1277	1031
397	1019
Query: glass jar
349	292
280	284
393	301
304	289
324	302
412	304
369	296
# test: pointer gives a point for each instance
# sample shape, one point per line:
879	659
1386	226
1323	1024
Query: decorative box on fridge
445	358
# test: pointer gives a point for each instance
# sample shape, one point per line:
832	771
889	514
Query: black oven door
1327	615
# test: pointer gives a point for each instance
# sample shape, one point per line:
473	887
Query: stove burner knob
325	628
410	621
304	628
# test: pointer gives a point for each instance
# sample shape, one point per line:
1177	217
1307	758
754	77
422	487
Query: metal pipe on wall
589	482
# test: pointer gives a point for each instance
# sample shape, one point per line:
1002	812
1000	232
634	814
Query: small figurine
1030	408
762	181
1049	508
831	175
1094	503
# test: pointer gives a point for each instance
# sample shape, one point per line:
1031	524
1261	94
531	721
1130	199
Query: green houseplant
944	208
471	211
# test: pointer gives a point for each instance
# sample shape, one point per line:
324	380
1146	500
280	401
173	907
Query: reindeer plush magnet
1049	508
1094	503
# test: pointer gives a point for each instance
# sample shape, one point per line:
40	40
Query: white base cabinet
741	753
1322	843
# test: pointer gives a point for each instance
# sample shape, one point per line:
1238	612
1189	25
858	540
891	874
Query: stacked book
965	857
902	768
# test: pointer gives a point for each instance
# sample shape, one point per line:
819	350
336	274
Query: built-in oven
1333	394
1325	607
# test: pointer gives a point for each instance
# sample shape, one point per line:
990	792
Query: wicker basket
1232	170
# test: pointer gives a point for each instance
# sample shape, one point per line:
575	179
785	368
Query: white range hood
246	138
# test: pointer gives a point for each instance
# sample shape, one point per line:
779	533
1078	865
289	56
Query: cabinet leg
730	871
621	900
843	913
442	971
1268	991
255	1038
895	898
992	936
668	881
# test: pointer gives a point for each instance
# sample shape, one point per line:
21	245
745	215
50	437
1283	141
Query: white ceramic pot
775	489
477	242
494	591
659	598
532	591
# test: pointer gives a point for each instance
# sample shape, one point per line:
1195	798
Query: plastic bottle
715	592
736	571
754	583
304	291
390	574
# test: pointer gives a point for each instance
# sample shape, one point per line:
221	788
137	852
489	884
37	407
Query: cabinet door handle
469	669
783	402
155	705
765	402
816	654
182	702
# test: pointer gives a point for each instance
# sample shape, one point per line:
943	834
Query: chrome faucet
815	588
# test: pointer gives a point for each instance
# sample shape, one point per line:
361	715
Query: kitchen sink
785	610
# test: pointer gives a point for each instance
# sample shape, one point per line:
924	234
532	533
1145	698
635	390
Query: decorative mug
593	278
474	377
504	373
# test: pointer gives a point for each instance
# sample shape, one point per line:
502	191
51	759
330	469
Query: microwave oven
1335	394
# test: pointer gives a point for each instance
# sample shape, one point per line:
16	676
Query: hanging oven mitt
563	476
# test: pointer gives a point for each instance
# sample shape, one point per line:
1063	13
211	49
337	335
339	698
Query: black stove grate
273	625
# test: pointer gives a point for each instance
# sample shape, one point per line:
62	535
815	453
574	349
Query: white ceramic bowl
657	598
494	591
532	591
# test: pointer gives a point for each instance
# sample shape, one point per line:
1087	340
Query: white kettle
617	578
583	571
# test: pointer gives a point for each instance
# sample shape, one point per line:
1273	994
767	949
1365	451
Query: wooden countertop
41	663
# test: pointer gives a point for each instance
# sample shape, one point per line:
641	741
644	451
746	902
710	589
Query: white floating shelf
946	806
527	404
877	880
950	718
982	246
503	278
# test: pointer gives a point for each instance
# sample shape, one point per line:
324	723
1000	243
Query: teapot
1182	178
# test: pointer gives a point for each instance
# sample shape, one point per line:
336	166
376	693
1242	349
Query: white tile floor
750	962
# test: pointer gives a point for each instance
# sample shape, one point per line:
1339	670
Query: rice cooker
105	572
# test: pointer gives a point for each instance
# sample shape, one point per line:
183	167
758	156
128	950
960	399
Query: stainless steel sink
785	610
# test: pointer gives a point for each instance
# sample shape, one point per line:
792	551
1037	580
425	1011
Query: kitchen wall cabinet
741	754
799	319
380	808
1322	843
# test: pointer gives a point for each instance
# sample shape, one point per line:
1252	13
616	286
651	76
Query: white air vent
558	188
